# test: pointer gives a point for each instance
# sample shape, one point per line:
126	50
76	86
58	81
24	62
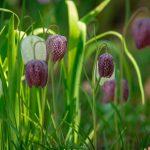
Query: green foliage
54	117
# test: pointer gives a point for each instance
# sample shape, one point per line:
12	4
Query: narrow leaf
87	18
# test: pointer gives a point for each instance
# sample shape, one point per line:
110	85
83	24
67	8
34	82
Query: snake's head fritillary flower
36	73
56	46
105	65
109	90
141	32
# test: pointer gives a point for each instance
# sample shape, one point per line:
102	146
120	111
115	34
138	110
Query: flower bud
56	46
105	65
141	32
36	73
109	91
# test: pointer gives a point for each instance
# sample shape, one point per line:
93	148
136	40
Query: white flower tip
33	46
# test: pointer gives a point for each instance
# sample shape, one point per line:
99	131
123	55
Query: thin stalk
116	129
108	33
86	75
43	111
53	115
9	11
29	102
53	121
127	9
94	87
137	70
94	120
121	75
24	110
97	85
53	89
22	14
2	14
115	117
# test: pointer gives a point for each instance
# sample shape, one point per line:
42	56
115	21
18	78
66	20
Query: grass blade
87	18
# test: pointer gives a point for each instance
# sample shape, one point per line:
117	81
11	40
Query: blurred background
54	12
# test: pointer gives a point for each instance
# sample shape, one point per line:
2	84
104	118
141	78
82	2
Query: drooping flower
105	65
109	90
36	73
56	46
141	32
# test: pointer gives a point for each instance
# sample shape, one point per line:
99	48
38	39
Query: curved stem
137	70
51	31
93	101
114	33
9	11
38	31
129	55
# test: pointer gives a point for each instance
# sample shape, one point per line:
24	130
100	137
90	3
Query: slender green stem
23	7
53	89
115	117
94	87
108	33
94	94
97	85
137	71
54	117
43	111
9	11
121	53
116	129
94	119
127	9
86	75
2	14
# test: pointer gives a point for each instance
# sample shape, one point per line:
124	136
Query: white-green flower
33	47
